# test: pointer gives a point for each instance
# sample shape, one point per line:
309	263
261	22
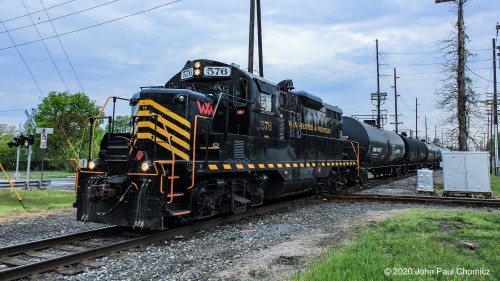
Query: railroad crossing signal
22	140
18	141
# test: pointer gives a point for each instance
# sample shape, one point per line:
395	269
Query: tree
457	95
7	154
121	124
6	129
67	113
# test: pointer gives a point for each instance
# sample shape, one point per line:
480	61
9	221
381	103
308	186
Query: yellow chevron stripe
149	136
159	129
168	124
227	166
251	166
166	111
212	167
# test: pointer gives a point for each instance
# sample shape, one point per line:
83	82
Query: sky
113	47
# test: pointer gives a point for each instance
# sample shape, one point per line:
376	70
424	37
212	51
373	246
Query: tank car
215	139
381	152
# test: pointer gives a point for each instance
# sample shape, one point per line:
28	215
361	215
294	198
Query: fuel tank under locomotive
377	147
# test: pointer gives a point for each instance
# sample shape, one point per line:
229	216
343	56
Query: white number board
217	71
187	73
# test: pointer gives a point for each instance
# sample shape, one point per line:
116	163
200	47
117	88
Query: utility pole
378	96
378	87
251	36
16	175
259	38
379	125
396	123
495	107
461	99
435	133
426	138
416	118
462	110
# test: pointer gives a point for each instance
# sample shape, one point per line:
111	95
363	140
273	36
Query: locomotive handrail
162	162
95	121
357	155
193	165
195	133
94	124
172	176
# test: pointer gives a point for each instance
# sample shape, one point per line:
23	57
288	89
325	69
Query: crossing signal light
19	140
22	141
30	139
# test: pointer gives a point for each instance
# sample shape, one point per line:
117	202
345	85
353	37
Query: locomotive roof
253	76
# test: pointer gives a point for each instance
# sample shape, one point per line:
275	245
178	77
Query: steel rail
50	242
47	265
492	203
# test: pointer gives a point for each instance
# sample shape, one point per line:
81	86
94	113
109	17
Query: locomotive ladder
167	169
172	177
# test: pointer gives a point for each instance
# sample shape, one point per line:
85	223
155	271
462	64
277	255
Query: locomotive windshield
210	88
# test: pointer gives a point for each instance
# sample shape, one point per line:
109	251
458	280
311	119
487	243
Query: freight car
385	153
214	139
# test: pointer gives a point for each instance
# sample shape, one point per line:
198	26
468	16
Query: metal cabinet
467	172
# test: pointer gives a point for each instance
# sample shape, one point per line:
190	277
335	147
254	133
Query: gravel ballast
270	247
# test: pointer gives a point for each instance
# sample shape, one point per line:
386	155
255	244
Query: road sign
44	130
43	141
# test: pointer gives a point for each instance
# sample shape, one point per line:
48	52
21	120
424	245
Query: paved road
53	183
62	183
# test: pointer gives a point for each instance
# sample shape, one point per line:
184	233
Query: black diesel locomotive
215	139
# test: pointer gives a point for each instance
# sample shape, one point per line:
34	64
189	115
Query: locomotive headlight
197	64
197	72
145	166
93	164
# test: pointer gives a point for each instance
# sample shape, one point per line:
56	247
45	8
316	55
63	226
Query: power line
92	26
22	58
13	110
45	45
51	7
61	17
64	50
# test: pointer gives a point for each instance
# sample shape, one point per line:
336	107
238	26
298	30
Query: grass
417	245
37	174
495	185
35	200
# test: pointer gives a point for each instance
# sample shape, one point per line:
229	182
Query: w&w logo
206	108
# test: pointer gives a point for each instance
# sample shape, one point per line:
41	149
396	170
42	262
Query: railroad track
81	251
434	200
